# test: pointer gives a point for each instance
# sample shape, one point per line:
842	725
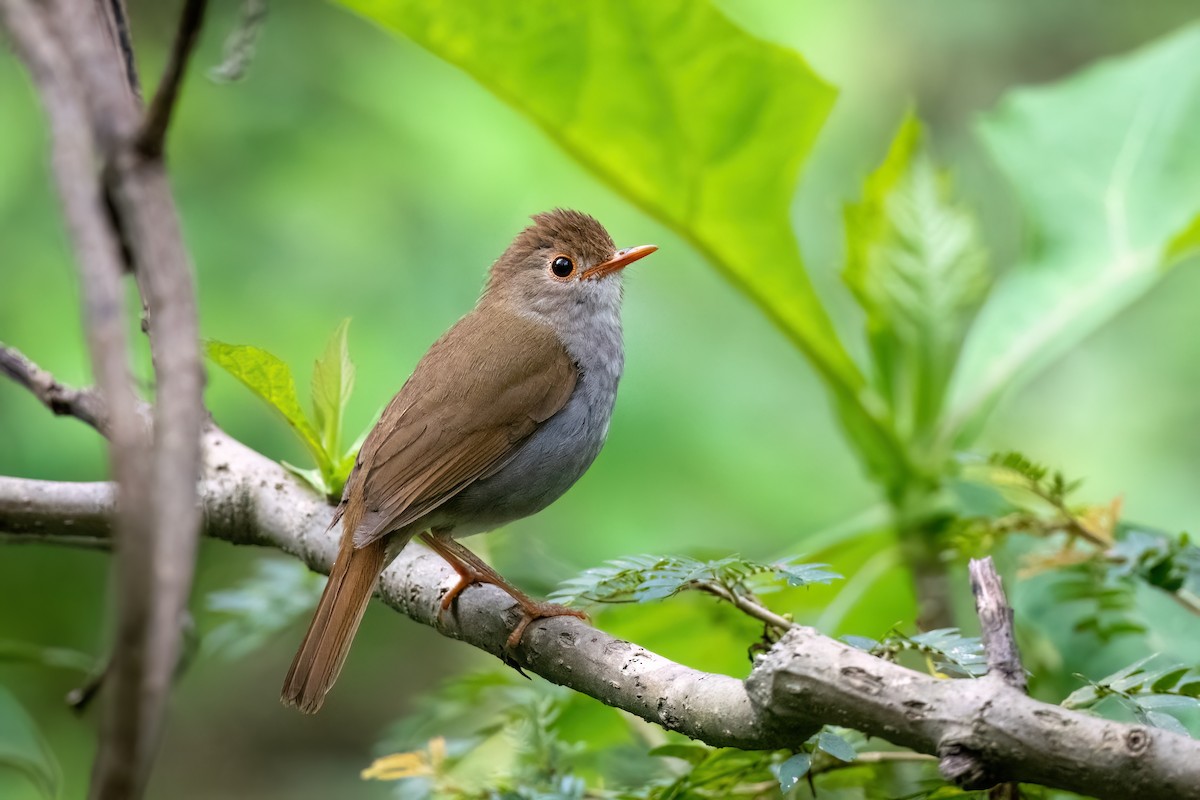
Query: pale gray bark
805	681
106	158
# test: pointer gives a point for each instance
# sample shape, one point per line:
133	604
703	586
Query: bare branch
805	681
82	66
1004	666
747	606
83	404
154	128
996	624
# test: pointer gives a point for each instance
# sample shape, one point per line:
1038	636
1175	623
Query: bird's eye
562	267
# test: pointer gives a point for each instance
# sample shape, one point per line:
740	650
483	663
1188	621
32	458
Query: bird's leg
473	569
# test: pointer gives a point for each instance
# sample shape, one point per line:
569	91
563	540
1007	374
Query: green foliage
684	114
1106	170
1170	563
947	649
1107	603
915	264
52	657
23	749
1098	560
486	735
1146	693
275	596
332	383
640	579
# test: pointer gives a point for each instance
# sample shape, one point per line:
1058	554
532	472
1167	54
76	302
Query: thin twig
83	404
150	139
746	605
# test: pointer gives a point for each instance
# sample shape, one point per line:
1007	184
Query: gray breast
548	464
562	449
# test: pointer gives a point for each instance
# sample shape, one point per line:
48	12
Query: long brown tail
323	651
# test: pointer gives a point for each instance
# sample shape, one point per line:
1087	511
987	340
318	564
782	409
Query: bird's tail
323	651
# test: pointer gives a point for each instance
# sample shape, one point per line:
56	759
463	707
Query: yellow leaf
417	764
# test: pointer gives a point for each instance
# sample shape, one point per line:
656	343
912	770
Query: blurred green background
354	174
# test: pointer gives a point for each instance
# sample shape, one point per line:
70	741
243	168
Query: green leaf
691	753
1168	680
22	747
312	477
56	657
792	770
268	377
915	264
1190	689
684	114
836	746
276	595
644	578
332	383
1106	168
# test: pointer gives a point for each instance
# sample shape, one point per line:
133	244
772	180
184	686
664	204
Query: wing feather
475	398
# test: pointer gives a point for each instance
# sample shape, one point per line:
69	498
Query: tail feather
323	651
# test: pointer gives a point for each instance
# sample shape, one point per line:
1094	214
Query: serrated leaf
332	385
270	378
836	746
1109	178
792	770
915	264
23	749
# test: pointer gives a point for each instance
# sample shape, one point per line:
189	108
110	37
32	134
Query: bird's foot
534	610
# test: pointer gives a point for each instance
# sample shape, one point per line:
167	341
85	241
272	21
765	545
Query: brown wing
476	396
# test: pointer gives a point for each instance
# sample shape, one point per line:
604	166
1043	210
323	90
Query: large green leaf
915	265
691	118
1107	167
22	747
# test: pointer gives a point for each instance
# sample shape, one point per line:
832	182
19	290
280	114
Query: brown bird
502	415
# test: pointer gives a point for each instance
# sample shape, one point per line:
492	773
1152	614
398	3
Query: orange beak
620	261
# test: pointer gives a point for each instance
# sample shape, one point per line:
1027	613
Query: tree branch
805	681
83	404
81	62
996	624
961	764
149	142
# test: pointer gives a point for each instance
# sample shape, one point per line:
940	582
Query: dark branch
83	404
118	27
150	139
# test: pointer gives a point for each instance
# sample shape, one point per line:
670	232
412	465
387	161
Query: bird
502	415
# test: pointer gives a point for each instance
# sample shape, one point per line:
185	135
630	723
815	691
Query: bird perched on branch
502	415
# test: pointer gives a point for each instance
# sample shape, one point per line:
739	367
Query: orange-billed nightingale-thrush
502	415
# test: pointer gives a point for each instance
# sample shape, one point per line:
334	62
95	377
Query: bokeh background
354	175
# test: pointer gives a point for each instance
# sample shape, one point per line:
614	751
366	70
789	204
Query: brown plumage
470	408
